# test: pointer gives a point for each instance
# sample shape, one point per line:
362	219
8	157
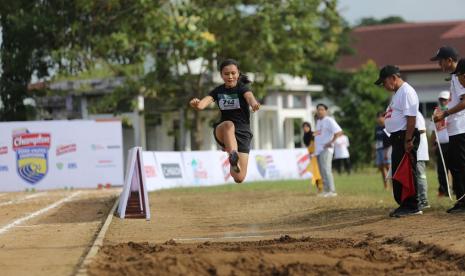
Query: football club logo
31	155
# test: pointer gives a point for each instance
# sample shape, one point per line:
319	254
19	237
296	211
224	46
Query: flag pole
442	159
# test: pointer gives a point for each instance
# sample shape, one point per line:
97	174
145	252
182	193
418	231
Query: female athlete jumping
232	132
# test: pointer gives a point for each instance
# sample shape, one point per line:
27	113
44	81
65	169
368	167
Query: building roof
407	45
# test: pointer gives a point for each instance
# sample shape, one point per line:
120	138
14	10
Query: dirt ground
279	232
53	242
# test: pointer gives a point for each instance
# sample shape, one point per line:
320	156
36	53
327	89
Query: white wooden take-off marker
134	201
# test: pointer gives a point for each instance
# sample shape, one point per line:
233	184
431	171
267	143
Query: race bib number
228	102
379	144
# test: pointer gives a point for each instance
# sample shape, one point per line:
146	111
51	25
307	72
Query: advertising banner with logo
58	154
171	170
152	171
204	168
272	165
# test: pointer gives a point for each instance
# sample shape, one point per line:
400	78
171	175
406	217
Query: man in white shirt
441	139
400	121
341	154
447	58
327	131
422	158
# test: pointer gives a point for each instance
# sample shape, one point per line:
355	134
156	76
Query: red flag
404	175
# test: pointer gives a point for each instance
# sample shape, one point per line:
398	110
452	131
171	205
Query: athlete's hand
195	103
255	107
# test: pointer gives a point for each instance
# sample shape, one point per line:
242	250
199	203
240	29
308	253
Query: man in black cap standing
447	58
400	122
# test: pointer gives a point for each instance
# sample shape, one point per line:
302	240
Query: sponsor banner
63	149
171	168
303	164
3	150
273	165
204	168
58	154
154	179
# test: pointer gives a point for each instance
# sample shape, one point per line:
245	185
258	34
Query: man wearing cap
459	72
447	59
441	139
400	121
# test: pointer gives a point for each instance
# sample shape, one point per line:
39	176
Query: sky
410	10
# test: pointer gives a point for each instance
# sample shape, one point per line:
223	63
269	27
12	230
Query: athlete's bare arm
201	104
250	98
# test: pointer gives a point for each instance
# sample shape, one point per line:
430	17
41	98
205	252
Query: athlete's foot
234	161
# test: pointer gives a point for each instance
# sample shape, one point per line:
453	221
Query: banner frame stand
134	201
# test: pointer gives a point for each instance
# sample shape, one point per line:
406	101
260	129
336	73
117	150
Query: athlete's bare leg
243	162
225	133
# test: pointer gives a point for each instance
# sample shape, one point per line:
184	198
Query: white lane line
37	213
219	238
98	242
14	201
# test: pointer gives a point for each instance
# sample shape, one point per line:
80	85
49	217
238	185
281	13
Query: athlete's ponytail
243	79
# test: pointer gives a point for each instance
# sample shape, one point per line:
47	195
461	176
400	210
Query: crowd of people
401	140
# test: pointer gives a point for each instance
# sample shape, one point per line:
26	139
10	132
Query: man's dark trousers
398	150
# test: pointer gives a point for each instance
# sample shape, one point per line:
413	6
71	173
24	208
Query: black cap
446	52
385	72
460	69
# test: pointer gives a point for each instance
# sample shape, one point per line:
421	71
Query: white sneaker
322	194
330	194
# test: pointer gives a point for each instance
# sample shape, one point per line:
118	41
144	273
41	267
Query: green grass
366	183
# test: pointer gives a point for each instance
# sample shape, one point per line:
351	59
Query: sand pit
280	231
282	256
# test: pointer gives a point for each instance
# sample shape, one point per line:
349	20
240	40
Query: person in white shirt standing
422	158
341	154
327	131
441	139
447	58
400	122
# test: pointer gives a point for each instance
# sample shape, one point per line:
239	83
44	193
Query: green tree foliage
359	104
164	38
24	51
266	37
65	36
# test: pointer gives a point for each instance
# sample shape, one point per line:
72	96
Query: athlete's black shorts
243	138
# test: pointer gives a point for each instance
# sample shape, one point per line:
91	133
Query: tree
23	52
66	36
267	37
359	104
